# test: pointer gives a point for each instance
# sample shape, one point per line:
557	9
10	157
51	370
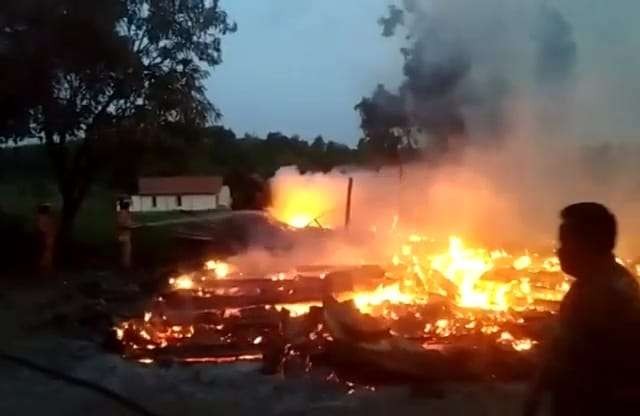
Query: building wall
224	197
198	202
145	203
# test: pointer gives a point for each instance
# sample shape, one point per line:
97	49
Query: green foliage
265	156
84	76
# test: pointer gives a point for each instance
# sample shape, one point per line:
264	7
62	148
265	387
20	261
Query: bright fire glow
383	294
184	282
522	344
219	268
465	267
307	201
476	290
297	309
522	263
301	221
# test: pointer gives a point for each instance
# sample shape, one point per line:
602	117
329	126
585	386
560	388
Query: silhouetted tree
75	74
382	117
319	144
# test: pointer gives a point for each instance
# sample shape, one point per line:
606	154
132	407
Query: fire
364	301
467	271
443	328
506	337
297	309
465	267
196	280
307	201
301	221
428	291
522	263
522	344
219	268
184	282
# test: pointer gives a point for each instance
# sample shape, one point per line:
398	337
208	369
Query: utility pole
347	214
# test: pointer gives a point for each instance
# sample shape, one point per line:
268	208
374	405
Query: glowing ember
506	337
297	309
443	328
523	344
431	293
184	282
490	329
223	360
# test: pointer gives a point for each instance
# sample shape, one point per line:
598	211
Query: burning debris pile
416	317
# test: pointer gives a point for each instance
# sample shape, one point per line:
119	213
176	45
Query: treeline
218	151
211	151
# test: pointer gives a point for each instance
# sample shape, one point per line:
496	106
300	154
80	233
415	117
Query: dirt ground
41	322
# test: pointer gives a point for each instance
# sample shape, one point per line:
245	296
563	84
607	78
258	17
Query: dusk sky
299	66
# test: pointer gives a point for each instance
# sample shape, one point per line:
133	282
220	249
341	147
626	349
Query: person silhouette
588	366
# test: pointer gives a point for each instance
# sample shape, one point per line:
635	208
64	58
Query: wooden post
347	215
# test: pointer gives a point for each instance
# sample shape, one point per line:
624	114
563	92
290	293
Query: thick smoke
508	197
435	68
392	21
510	77
557	51
465	63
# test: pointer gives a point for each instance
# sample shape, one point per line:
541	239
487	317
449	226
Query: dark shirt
595	352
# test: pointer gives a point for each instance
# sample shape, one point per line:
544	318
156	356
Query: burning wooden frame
461	314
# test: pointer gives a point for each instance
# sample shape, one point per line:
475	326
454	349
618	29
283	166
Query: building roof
180	185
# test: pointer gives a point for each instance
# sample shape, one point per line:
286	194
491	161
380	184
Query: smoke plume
511	80
464	63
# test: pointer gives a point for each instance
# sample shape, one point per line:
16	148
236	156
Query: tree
381	118
426	110
76	74
319	145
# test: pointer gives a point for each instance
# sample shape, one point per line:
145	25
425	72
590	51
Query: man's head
44	209
124	204
587	237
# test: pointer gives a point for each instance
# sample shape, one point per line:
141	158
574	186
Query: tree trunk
75	171
74	185
64	242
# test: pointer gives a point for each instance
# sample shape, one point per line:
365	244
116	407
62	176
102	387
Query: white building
181	193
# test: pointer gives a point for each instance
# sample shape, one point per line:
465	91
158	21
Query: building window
154	201
179	200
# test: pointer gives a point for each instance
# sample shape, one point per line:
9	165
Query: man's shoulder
627	291
591	300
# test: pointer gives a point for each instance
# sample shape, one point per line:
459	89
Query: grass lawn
96	219
95	228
